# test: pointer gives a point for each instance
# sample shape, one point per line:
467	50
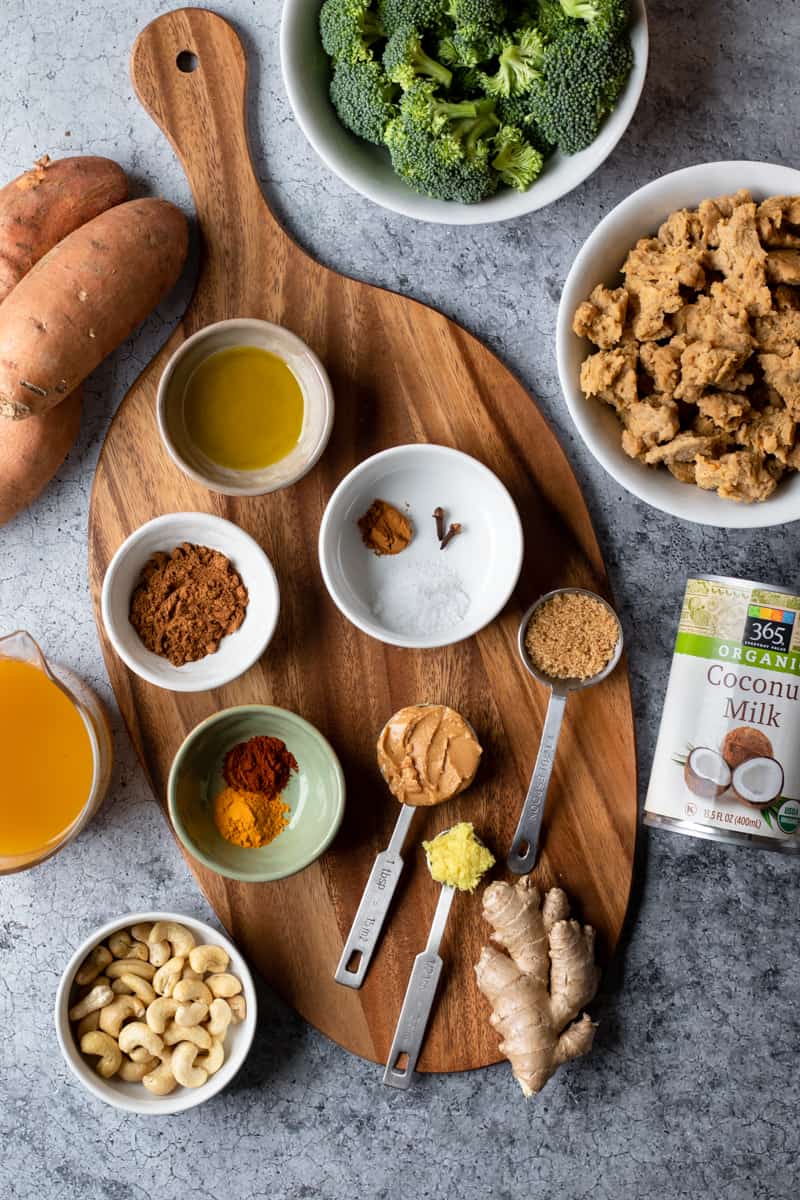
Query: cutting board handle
190	73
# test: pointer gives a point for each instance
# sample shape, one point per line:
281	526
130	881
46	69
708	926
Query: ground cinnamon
261	764
384	528
186	602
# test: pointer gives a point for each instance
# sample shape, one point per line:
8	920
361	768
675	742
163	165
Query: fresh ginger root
537	990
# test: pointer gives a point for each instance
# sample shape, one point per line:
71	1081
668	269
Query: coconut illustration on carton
744	767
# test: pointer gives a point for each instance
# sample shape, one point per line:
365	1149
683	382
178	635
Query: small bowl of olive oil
244	407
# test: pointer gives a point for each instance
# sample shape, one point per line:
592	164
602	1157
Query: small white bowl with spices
413	593
245	407
198	615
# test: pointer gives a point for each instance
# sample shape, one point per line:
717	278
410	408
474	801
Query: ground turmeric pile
249	812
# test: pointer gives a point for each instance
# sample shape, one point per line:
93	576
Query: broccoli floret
486	13
422	14
518	110
405	60
364	98
469	48
348	28
520	60
442	149
515	159
582	76
604	16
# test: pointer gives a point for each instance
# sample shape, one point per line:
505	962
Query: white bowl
134	1097
424	596
599	261
317	406
367	169
238	651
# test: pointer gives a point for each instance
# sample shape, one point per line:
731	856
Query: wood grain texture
401	372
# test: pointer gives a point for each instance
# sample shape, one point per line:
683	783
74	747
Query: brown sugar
384	529
186	602
571	636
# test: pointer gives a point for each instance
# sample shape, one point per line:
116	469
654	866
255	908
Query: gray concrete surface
693	1086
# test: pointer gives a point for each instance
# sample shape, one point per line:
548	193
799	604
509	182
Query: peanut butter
427	753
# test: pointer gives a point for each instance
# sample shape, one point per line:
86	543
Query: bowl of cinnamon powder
190	601
256	793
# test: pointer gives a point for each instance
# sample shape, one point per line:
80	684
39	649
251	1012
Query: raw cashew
221	1016
189	973
196	1034
88	1024
208	958
212	1061
135	984
101	979
130	966
134	1072
167	976
120	943
238	1008
160	953
139	1034
161	1081
93	965
191	989
139	1054
191	1014
179	937
106	1049
141	932
183	1068
98	997
223	985
160	1011
113	1016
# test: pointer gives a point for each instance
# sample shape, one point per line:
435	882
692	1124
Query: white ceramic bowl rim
247	482
688	186
513	559
377	181
182	679
182	1098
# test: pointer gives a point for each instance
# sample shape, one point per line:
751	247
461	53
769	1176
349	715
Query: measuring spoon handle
413	1021
525	847
372	911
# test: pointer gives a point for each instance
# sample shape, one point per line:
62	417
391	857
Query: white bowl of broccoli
444	141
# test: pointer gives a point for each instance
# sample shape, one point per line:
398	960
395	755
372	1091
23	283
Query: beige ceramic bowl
317	401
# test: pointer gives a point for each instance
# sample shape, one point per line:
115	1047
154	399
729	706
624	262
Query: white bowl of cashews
155	1012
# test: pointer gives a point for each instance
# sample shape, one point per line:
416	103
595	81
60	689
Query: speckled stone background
693	1085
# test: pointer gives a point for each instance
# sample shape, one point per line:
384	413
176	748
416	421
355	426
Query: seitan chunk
601	318
778	332
783	266
611	376
724	410
772	431
712	212
662	363
683	230
684	448
741	475
742	260
719	319
683	471
778	221
786	298
654	274
782	372
704	366
648	424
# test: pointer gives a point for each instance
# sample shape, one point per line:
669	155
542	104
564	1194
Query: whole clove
438	516
451	533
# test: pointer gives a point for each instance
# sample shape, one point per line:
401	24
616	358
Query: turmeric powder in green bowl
314	795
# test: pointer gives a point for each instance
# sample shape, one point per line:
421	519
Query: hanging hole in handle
354	962
187	61
522	849
400	1064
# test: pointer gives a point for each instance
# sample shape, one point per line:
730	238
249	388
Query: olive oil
46	759
243	408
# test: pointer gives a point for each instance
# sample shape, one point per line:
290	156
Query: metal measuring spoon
525	846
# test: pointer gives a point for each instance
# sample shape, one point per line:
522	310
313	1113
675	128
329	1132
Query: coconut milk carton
727	760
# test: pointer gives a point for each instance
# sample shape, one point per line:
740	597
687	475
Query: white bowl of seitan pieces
679	344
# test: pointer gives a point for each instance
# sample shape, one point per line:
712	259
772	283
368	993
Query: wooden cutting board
401	372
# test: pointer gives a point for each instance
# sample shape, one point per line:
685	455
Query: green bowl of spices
256	793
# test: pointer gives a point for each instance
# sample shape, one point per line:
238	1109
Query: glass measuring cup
21	647
525	846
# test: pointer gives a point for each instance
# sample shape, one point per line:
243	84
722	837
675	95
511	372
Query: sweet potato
48	202
83	299
32	451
